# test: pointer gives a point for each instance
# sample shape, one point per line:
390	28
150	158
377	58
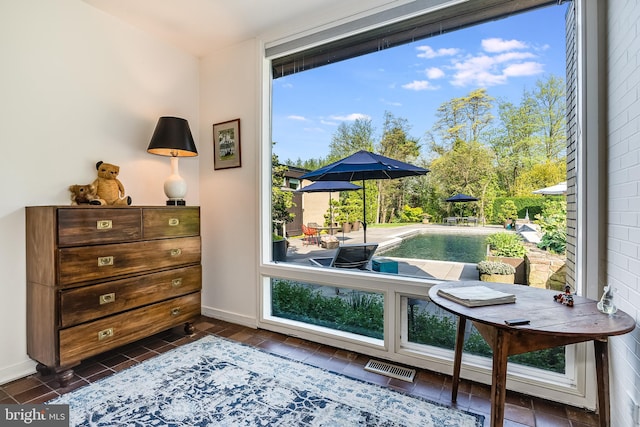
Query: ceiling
204	26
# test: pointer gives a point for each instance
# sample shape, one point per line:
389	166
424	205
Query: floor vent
393	371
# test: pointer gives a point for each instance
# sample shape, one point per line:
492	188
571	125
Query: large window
350	108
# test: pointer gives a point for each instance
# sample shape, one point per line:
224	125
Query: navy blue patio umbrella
364	165
328	186
461	198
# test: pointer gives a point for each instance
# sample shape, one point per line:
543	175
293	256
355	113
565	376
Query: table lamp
172	137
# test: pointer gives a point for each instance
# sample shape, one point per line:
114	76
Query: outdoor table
452	220
470	220
552	324
329	230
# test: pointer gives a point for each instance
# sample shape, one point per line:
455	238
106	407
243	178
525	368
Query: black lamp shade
172	137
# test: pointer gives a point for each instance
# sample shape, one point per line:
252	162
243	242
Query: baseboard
230	317
19	370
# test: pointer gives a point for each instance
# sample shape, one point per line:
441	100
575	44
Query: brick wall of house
572	126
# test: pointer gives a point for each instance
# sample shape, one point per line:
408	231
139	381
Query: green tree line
478	145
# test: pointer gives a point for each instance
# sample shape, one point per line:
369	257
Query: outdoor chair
349	256
311	235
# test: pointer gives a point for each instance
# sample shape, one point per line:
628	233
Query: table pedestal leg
602	376
457	361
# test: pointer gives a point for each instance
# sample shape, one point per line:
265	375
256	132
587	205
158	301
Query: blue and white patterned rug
215	382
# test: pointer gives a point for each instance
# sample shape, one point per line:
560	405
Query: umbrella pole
330	215
364	211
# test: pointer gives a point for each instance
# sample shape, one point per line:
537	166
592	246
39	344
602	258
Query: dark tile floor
520	410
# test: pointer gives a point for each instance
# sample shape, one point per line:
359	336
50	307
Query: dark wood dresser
101	277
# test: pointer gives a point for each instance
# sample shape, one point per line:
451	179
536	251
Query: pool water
442	247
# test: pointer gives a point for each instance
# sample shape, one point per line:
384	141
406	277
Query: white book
475	296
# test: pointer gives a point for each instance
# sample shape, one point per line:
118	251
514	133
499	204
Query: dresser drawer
161	223
80	342
80	226
88	303
93	263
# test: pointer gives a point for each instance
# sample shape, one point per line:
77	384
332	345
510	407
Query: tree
467	169
539	176
395	143
461	120
281	200
513	141
350	138
550	100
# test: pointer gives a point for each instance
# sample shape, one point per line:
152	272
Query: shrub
493	267
409	214
361	314
506	245
507	211
553	223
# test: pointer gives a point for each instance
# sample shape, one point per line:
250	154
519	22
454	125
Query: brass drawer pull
176	252
174	222
105	260
107	298
104	224
176	283
175	311
105	333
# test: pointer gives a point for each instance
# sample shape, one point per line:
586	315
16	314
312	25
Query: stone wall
546	270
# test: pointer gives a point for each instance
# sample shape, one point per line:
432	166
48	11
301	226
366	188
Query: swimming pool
441	247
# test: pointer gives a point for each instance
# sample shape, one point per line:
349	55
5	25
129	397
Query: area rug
215	382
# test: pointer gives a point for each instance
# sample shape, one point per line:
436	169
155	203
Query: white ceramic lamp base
175	187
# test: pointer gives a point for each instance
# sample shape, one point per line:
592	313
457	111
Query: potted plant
508	248
279	247
494	271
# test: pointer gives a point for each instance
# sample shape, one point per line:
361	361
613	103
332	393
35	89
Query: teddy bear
108	186
85	195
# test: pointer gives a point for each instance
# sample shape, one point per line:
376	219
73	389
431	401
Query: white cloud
328	123
434	73
299	118
420	85
287	85
487	70
512	56
523	69
495	45
351	117
428	52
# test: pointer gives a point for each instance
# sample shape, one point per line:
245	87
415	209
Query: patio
390	236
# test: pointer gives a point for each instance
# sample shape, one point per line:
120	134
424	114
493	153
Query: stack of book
476	296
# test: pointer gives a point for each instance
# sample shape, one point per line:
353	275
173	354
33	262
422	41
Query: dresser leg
44	370
64	377
189	329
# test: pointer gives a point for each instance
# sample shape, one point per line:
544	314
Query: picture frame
226	145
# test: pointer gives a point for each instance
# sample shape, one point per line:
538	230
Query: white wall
77	87
623	228
229	197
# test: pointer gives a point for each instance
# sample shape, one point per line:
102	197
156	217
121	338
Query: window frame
578	387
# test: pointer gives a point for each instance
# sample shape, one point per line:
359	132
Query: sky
506	57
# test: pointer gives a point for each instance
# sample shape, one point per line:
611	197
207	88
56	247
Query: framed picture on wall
226	145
